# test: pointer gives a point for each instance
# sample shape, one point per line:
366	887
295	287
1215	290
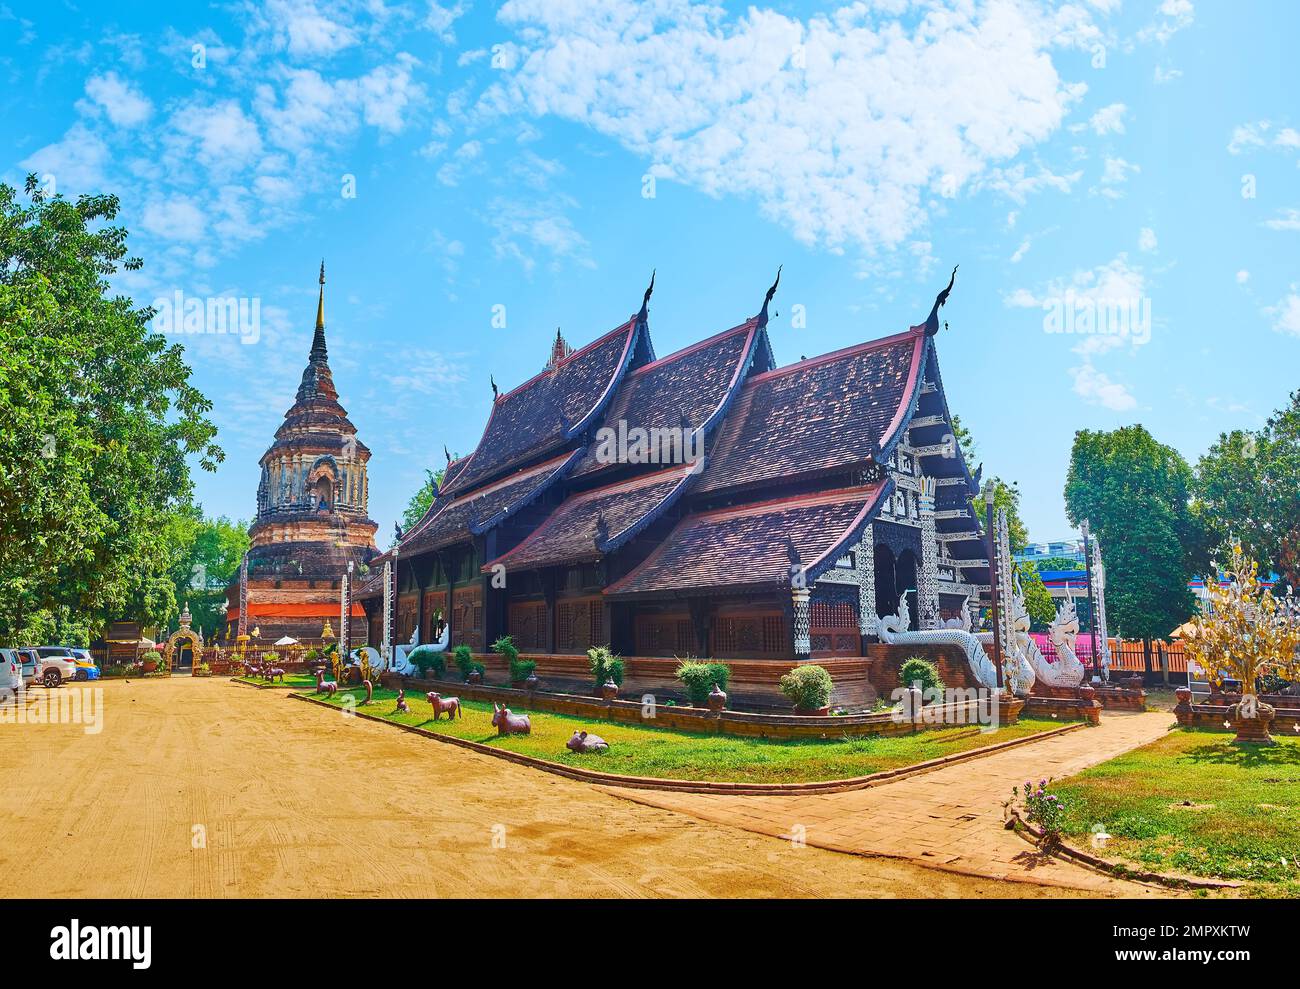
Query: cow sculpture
510	724
327	687
273	674
449	706
402	706
586	742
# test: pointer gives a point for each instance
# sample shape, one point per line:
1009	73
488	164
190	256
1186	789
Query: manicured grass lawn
1194	803
668	754
298	681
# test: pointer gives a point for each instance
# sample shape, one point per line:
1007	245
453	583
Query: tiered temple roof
786	469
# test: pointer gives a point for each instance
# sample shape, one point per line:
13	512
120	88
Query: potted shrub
520	669
471	670
920	672
606	671
808	688
151	660
700	677
426	659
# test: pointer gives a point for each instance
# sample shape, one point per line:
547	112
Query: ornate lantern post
345	611
989	495
1092	608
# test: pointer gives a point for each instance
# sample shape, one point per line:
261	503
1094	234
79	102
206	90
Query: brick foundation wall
886	660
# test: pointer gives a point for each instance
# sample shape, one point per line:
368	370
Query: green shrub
463	657
429	659
605	665
204	670
699	677
152	656
520	669
917	670
807	687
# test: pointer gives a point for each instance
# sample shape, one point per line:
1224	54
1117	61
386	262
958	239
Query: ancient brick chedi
312	518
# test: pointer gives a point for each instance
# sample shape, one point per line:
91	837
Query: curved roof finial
931	325
496	392
645	299
767	299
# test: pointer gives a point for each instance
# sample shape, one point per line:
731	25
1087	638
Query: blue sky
543	156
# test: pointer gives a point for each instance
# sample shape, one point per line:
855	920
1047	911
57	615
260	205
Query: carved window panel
664	635
528	625
754	635
579	624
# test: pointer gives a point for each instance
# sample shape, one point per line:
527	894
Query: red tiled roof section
816	415
569	535
451	523
541	413
750	545
692	383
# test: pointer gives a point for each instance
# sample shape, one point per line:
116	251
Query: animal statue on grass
449	706
510	724
586	742
402	706
327	687
274	673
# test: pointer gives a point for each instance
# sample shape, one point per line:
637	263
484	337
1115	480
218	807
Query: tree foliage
99	421
1248	489
1136	495
1247	633
422	500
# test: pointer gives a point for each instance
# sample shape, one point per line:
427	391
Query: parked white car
55	666
11	673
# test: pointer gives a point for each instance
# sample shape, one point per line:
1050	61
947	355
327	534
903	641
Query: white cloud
122	102
1099	309
1147	239
77	162
1174	16
1286	219
841	127
302	29
1260	134
220	136
1096	388
1161	76
174	218
1108	120
1286	314
1243	276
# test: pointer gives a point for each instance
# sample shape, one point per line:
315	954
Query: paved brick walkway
949	819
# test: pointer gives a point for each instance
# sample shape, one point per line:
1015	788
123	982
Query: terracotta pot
474	677
717	698
150	665
609	690
531	682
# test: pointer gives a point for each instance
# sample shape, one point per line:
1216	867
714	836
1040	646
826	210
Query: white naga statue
402	653
895	629
1068	670
1018	646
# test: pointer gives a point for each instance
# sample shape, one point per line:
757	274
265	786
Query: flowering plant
1043	809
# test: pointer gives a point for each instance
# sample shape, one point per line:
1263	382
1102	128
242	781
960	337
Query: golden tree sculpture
1246	634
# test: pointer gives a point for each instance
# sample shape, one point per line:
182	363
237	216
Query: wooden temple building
801	503
312	518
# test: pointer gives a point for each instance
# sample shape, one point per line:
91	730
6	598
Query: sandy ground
294	800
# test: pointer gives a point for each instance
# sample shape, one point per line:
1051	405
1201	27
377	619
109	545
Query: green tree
1057	563
209	563
99	421
1136	495
1248	488
1038	599
422	500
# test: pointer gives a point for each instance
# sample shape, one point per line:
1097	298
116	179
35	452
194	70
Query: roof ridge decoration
767	299
931	325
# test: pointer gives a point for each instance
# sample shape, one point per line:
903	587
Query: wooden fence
1130	655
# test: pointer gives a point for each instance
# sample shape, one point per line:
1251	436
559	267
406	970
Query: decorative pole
1099	576
928	591
243	596
989	494
345	614
386	646
1092	610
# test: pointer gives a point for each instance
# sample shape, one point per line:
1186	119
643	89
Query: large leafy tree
1248	489
209	561
422	500
1136	495
98	419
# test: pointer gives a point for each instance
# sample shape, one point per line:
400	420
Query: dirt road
204	788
